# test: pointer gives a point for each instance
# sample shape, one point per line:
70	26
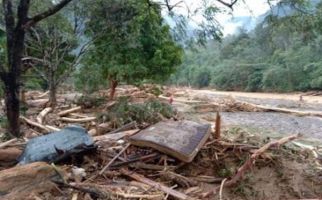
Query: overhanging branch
229	5
47	13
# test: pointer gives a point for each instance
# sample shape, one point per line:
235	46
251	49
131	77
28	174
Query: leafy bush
149	112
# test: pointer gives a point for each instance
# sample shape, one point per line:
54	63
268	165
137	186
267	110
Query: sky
251	8
229	20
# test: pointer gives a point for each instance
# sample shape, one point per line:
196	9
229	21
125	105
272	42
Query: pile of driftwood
118	170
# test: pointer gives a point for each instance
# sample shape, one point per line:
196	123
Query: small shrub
149	112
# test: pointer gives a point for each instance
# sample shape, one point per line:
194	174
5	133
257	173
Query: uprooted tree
17	23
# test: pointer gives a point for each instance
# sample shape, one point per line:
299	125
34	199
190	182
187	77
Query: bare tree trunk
52	89
12	107
52	96
16	27
113	85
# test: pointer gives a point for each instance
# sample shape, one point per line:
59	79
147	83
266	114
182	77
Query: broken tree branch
42	115
66	112
285	110
46	13
7	143
111	161
30	122
229	5
42	95
80	120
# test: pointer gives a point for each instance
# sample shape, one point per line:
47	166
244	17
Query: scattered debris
23	181
160	158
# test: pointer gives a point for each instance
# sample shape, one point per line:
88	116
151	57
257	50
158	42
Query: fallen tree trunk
30	122
42	95
42	115
37	102
9	155
285	110
80	120
21	181
66	112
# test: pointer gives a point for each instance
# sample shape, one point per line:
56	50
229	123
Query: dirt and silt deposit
237	166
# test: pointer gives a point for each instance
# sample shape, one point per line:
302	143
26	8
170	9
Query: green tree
17	23
134	44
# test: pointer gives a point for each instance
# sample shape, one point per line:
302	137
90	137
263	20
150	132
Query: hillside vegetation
281	54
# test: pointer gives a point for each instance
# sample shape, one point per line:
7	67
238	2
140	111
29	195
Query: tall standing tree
136	44
17	23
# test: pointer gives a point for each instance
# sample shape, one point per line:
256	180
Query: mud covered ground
264	122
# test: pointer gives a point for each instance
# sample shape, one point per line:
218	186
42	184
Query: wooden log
7	143
37	102
20	181
42	115
52	128
9	155
156	185
285	110
30	122
80	120
77	115
66	112
42	95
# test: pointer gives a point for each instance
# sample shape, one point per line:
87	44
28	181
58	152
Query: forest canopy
281	54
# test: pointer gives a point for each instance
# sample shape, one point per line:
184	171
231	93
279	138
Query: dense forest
282	54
